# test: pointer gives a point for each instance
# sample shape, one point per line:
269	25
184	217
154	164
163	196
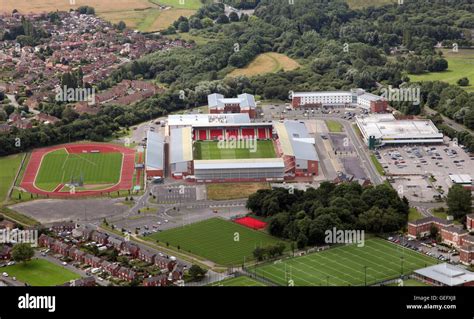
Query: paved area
52	210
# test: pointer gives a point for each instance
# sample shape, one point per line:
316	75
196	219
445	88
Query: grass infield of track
59	167
211	150
241	281
216	239
344	265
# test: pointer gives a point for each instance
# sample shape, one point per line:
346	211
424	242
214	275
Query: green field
210	150
40	272
460	64
377	164
215	239
334	126
414	214
60	167
9	166
241	281
344	265
410	283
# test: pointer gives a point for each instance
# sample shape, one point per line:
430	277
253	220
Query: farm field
40	272
209	150
215	239
9	168
344	265
460	64
227	191
269	62
60	167
241	281
144	15
334	126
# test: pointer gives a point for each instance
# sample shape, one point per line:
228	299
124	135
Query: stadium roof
385	126
370	97
240	163
207	119
155	150
181	145
447	274
295	140
246	101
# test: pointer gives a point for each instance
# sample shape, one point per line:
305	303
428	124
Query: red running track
126	178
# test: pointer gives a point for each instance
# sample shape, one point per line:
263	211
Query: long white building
384	129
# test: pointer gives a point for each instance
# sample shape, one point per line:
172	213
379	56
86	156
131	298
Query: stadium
75	170
230	148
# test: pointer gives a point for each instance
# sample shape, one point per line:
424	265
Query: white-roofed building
352	98
461	179
243	103
297	148
181	152
184	120
155	154
445	275
268	169
384	129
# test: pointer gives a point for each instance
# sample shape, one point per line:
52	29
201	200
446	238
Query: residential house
130	249
125	273
115	243
156	281
99	237
61	227
146	256
5	252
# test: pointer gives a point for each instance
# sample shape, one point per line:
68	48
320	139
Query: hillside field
269	62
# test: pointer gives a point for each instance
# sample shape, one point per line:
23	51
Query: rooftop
240	163
181	145
447	274
155	150
295	140
207	119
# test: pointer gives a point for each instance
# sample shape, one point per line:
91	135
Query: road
455	125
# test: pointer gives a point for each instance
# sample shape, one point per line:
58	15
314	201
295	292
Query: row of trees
304	217
268	252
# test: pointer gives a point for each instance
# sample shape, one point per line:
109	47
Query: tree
121	25
459	201
207	23
233	17
259	253
22	252
196	273
222	19
183	26
463	81
434	232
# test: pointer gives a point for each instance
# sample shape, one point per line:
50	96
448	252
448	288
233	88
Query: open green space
414	214
212	150
410	283
377	164
60	167
227	191
9	166
347	265
40	272
460	64
221	241
241	281
334	126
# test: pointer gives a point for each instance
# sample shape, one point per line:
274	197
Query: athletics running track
126	178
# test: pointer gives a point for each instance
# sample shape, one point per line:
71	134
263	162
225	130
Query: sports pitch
211	150
345	265
95	169
40	272
241	281
221	241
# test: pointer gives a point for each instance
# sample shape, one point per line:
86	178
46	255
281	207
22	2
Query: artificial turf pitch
221	241
60	167
345	265
40	272
212	150
241	281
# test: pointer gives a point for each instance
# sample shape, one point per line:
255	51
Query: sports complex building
384	129
228	147
352	98
243	103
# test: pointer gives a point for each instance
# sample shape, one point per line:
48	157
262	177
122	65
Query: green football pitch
40	272
60	167
241	281
346	265
221	241
213	150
